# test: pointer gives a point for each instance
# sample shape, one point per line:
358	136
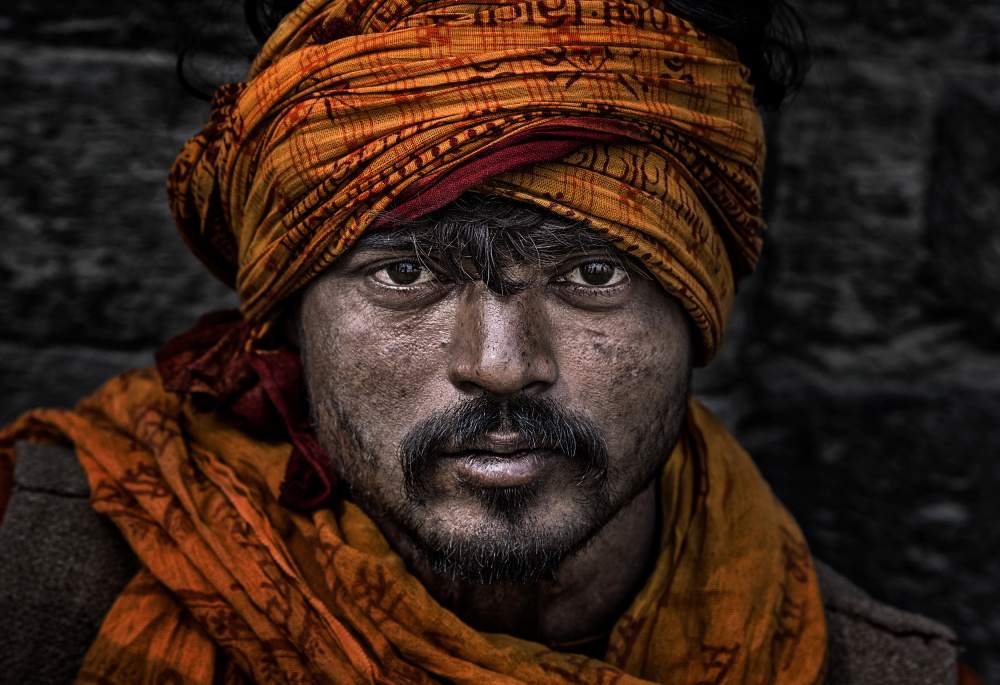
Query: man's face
496	433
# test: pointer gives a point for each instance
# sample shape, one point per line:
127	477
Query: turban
617	115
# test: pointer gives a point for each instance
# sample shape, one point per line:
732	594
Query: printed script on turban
618	115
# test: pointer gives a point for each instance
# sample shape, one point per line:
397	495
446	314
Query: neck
585	596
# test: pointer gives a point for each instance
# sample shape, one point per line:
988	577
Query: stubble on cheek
649	361
480	537
331	375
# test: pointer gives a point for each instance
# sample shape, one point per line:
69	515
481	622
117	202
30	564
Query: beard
508	541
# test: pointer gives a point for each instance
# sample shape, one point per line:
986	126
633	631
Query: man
449	438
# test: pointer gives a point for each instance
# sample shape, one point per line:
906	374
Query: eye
596	274
404	273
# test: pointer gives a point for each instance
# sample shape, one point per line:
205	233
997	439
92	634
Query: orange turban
619	115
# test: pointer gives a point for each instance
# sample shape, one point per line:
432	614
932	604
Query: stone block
155	24
962	230
91	254
845	238
925	32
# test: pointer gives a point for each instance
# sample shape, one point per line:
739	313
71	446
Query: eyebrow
400	238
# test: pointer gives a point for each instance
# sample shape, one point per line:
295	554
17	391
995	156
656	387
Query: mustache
538	422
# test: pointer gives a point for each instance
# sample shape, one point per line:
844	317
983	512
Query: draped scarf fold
237	588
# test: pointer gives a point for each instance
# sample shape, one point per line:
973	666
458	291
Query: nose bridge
501	343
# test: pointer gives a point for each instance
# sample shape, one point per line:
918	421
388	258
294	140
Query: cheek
630	373
378	370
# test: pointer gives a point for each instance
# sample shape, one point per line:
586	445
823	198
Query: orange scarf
618	115
237	588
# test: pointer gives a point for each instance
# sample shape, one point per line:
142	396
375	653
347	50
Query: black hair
263	16
769	35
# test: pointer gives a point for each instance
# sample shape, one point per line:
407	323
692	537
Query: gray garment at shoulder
62	565
870	643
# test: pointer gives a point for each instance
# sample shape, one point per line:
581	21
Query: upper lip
501	443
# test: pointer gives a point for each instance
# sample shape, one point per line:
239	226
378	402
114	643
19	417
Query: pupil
597	273
404	273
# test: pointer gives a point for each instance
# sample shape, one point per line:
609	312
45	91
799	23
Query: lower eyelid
404	289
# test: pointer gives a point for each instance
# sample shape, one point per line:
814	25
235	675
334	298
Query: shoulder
870	642
63	565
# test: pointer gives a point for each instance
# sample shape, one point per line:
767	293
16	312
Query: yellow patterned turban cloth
618	115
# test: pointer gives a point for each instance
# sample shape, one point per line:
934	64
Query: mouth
502	460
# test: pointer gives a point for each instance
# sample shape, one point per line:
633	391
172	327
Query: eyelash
619	271
435	278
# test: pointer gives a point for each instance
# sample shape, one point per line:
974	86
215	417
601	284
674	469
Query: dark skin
387	343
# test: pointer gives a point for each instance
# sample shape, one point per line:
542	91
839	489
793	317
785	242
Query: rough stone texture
164	24
963	211
91	253
862	368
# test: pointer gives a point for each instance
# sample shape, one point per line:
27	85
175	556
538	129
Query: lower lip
493	470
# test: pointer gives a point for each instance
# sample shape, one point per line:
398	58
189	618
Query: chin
513	536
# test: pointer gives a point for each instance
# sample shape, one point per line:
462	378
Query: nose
501	343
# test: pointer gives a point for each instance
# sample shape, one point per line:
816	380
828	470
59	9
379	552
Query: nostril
536	387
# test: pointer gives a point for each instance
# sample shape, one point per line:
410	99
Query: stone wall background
862	369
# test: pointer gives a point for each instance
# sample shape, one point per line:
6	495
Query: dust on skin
388	343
